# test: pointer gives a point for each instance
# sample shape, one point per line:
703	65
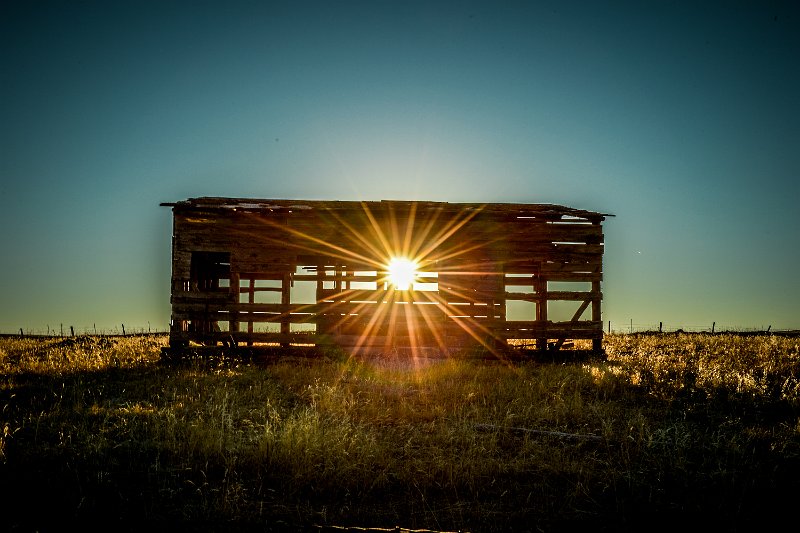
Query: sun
402	273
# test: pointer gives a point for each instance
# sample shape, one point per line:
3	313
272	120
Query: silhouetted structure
260	272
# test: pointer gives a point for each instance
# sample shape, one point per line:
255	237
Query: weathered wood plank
579	296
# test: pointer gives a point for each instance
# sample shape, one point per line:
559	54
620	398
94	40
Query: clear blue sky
681	118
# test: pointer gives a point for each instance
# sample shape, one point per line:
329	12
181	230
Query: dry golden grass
692	428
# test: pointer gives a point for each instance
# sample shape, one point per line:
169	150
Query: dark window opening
210	271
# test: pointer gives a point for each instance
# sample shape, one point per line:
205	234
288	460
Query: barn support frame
287	273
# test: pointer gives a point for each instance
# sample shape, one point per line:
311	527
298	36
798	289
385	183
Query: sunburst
401	254
402	272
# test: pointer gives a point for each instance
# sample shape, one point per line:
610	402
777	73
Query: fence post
713	325
20	332
123	329
71	331
660	325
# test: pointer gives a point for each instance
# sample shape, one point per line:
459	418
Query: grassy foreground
686	430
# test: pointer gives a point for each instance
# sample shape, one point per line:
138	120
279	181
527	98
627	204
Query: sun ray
459	250
472	327
359	238
406	251
378	296
341	252
422	236
412	332
376	229
394	232
439	333
448	231
362	338
410	221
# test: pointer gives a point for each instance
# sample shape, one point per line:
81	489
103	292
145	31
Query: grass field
669	431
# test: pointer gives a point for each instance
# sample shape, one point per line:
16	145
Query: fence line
608	327
663	327
63	330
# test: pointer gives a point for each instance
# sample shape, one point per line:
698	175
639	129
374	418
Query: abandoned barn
384	275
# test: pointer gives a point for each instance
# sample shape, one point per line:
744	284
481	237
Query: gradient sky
680	118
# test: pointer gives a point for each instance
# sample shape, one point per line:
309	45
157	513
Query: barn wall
271	271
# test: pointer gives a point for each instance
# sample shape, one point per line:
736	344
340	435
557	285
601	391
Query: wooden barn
385	275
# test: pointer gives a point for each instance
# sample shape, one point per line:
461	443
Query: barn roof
551	211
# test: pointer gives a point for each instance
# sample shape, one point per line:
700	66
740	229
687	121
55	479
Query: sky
682	119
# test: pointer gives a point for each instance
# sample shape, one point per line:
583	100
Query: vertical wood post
233	325
286	293
597	343
540	286
660	324
321	323
251	298
498	315
72	331
713	325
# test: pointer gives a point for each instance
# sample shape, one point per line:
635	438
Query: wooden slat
203	299
554	326
591	266
322	308
573	295
533	330
574	276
